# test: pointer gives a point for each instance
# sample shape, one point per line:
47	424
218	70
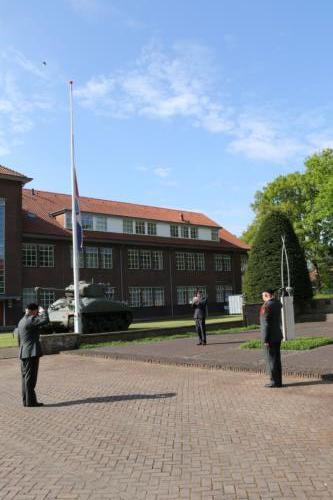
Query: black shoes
35	404
272	385
199	343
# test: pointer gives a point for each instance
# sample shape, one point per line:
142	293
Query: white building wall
115	225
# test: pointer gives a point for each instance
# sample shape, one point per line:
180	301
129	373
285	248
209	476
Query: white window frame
215	235
152	228
106	258
174	231
29	255
91	258
157	260
145	259
128	226
100	223
133	258
194	232
46	255
185	231
87	221
140	227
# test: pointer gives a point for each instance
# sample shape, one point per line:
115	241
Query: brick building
153	258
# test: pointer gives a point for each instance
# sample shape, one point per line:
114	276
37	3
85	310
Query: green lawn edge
164	338
299	344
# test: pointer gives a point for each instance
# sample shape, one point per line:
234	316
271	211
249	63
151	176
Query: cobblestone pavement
223	351
130	430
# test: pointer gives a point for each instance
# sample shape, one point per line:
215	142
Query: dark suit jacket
200	309
270	321
28	335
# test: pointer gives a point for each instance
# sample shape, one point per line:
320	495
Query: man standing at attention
30	351
271	335
199	305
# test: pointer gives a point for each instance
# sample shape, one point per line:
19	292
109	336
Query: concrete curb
205	364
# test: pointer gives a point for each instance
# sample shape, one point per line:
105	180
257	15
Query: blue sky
180	103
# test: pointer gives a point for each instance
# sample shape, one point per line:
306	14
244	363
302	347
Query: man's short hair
32	306
269	290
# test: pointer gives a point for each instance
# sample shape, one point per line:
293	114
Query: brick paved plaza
132	430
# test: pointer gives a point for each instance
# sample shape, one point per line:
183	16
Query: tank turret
98	313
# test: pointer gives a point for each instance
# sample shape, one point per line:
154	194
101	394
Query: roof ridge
117	201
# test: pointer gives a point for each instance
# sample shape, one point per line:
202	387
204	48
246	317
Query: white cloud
23	96
160	86
162	172
264	138
182	84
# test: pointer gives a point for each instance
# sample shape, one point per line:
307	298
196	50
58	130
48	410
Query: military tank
98	313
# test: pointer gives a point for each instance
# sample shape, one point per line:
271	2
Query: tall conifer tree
264	264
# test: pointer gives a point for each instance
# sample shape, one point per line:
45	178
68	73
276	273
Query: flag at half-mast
78	221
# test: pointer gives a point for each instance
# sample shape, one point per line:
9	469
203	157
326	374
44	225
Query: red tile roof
38	205
55	202
227	238
12	174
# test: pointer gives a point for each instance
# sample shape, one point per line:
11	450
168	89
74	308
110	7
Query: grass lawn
299	344
176	323
163	338
7	340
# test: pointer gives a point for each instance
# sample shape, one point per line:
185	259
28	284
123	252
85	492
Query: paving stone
113	429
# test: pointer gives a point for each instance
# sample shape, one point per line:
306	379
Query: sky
189	104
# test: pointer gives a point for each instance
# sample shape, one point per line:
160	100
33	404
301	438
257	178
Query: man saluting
271	335
30	350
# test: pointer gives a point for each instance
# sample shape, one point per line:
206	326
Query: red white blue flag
78	221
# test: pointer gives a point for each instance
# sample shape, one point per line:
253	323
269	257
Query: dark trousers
200	326
273	362
29	371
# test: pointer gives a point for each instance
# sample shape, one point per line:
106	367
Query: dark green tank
98	313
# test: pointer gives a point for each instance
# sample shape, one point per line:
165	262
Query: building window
145	259
133	259
68	220
46	298
29	255
223	292
222	262
159	297
2	246
128	226
46	255
100	223
110	292
215	235
174	231
194	233
106	258
81	257
157	260
28	296
87	221
152	228
200	261
140	227
185	231
243	263
227	262
180	261
146	296
91	254
185	294
190	261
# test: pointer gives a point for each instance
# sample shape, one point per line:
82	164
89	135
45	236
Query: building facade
152	258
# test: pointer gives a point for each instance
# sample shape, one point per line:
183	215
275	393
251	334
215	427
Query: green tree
264	264
307	200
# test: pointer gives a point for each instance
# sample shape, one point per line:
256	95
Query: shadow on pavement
112	399
323	380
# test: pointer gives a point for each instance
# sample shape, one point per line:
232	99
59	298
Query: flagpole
77	312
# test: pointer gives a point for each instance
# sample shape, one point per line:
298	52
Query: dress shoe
272	385
35	405
204	342
199	343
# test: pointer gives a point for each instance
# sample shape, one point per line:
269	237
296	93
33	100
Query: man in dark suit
199	305
271	335
30	351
